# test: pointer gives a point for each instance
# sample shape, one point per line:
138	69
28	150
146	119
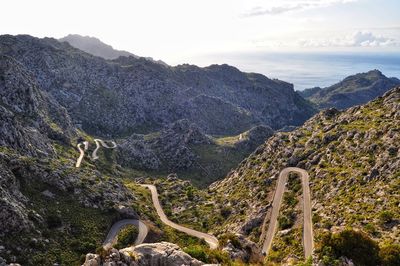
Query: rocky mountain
41	191
184	149
52	212
353	90
133	95
30	117
94	46
353	161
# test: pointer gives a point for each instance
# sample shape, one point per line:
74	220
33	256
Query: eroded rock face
127	94
245	250
168	150
29	117
163	253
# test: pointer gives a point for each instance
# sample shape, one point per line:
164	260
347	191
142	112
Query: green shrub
53	220
127	237
390	255
290	199
197	252
386	217
287	219
207	255
225	212
354	245
229	237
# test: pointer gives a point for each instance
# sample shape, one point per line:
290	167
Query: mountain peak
94	46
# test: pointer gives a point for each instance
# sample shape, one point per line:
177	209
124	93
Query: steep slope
50	211
353	161
30	118
353	90
130	94
46	204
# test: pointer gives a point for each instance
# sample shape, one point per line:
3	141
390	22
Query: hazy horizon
176	30
290	40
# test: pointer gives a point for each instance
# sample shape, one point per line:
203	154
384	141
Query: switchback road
308	236
111	238
211	240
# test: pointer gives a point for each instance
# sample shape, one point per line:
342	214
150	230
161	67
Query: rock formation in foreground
162	253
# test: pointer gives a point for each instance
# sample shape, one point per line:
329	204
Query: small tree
126	237
354	245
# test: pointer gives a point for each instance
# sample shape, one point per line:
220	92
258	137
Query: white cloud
357	39
279	7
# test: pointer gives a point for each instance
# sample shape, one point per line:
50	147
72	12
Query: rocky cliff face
30	118
136	95
183	148
41	192
168	149
353	90
353	161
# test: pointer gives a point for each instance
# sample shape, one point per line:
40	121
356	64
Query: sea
307	70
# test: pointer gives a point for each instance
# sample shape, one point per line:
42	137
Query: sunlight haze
177	31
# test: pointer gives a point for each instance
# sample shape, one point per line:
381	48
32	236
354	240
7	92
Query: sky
179	31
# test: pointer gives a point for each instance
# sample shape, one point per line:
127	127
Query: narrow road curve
111	238
308	237
98	142
82	152
211	240
94	155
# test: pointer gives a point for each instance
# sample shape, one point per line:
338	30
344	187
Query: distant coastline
307	70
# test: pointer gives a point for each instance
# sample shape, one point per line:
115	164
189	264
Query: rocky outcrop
163	253
168	149
29	117
243	250
352	158
130	94
253	138
182	147
353	90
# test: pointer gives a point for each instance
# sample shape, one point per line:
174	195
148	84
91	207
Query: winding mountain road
82	152
98	142
308	237
94	154
111	238
211	240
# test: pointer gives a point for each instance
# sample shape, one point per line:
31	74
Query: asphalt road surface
98	142
308	236
82	152
94	154
111	238
211	240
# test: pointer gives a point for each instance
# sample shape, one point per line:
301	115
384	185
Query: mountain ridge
127	94
353	90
